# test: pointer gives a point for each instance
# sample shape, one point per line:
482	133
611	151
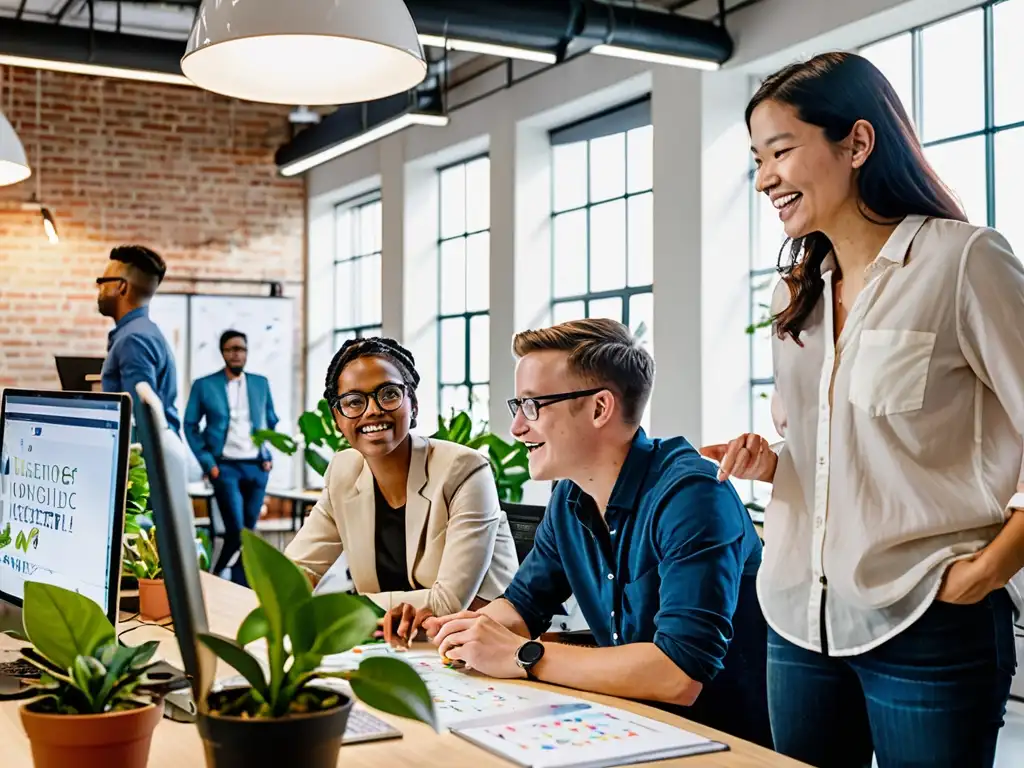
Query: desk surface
178	744
295	494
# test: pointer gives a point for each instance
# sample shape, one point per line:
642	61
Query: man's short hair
603	352
229	335
146	269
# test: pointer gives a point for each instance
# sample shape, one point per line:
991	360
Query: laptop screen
63	461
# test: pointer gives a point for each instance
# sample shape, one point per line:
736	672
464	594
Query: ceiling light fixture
96	70
376	133
13	160
652	57
491	49
313	52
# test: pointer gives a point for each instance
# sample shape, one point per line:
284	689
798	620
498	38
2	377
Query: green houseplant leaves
299	630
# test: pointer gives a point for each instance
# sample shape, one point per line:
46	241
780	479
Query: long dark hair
833	91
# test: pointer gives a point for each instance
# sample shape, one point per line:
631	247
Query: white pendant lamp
13	162
312	52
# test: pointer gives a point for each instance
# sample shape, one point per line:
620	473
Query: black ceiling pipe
79	45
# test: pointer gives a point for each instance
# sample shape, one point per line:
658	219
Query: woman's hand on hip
747	457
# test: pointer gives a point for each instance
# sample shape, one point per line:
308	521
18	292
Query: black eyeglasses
102	280
389	397
531	406
229	350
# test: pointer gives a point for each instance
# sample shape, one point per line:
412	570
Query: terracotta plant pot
312	740
114	740
153	603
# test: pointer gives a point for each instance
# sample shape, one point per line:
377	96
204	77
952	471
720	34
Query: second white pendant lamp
13	162
312	52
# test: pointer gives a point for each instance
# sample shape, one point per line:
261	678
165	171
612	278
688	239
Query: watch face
530	653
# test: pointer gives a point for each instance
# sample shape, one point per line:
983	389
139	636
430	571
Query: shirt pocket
890	371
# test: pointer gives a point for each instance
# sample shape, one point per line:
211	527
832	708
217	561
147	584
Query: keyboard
19	668
364	726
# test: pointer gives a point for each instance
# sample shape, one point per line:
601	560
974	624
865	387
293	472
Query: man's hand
483	644
747	457
214	472
966	582
402	623
267	466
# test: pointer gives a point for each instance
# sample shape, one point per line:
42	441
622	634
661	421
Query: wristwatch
527	656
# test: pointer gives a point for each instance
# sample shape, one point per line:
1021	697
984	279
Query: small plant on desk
142	560
96	702
287	718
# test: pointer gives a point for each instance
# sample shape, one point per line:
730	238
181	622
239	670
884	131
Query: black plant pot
309	740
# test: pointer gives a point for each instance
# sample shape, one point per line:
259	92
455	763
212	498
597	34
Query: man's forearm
635	671
503	612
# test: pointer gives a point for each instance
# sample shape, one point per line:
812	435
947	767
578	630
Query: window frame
351	206
466	315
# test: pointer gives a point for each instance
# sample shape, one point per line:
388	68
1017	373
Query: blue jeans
239	490
934	695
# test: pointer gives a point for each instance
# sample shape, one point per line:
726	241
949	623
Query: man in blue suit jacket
234	404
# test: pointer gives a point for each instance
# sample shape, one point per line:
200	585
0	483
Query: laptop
78	373
63	477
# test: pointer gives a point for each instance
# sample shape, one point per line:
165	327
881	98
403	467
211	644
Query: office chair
523	519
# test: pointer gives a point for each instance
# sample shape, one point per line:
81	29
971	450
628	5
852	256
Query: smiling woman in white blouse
893	530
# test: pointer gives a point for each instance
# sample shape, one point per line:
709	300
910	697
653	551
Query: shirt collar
626	491
896	247
128	317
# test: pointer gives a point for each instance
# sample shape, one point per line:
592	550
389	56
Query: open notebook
590	737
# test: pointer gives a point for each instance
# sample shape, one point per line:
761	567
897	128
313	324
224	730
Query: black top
389	542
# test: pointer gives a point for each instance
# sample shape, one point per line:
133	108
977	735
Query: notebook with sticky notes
592	736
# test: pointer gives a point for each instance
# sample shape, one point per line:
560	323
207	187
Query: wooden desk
178	744
301	499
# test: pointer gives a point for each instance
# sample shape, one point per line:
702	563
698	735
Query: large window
959	80
357	278
602	220
464	323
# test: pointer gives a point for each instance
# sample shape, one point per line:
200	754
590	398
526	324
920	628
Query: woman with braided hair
419	518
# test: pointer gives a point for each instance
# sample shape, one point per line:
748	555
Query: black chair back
523	519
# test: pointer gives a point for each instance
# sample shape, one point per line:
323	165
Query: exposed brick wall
187	173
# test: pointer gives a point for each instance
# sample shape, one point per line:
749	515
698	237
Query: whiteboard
193	324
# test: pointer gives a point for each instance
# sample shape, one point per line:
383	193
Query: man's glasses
229	350
530	406
102	280
389	397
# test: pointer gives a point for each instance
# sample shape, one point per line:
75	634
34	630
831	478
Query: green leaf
316	461
254	627
393	686
237	657
62	624
284	443
461	428
331	623
278	582
314	432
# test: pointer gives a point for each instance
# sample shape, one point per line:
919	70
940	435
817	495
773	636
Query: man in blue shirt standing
136	349
660	555
234	404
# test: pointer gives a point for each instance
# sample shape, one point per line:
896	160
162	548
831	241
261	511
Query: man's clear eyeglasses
389	397
531	406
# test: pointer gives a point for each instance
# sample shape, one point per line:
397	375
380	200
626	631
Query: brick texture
183	171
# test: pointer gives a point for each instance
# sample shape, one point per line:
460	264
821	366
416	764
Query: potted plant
96	703
284	717
142	560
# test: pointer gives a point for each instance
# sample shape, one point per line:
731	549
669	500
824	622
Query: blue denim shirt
666	569
137	351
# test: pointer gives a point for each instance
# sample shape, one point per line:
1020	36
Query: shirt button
615	636
613	614
610	577
817	522
821	460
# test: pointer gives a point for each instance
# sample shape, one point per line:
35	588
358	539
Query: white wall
701	214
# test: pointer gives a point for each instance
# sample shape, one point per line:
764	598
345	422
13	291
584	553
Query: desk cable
141	624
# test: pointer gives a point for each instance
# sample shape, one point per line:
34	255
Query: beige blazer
457	536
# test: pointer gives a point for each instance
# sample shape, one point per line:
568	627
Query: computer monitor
63	476
165	458
75	372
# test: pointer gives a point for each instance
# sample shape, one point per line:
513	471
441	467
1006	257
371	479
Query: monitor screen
63	462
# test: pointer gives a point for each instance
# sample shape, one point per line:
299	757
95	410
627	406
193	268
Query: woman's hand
402	623
748	457
967	581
